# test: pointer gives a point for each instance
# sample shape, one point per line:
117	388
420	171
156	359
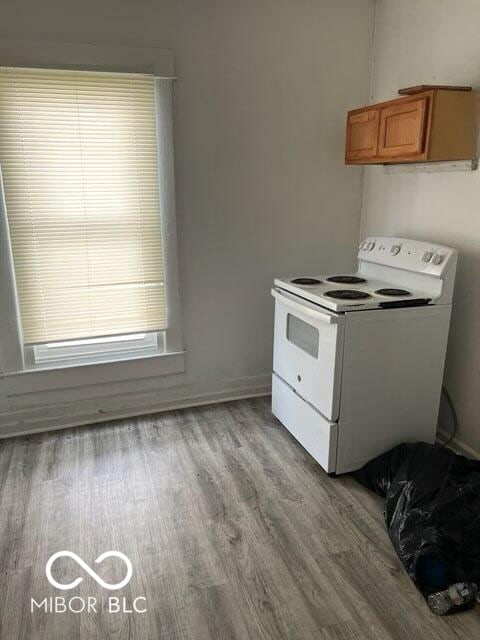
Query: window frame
89	350
15	357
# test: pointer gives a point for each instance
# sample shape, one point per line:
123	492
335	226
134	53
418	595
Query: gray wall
261	185
422	42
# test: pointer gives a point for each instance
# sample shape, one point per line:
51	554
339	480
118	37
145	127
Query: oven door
308	350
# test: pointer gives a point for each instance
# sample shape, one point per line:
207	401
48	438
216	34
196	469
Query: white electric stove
359	358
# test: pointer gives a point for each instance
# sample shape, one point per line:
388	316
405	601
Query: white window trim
14	360
96	349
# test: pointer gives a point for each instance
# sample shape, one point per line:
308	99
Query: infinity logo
84	565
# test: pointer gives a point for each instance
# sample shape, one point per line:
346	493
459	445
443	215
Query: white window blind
78	153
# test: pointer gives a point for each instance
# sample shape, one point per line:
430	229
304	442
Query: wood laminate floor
233	531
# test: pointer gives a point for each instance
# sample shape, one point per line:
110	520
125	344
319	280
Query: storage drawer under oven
308	426
308	350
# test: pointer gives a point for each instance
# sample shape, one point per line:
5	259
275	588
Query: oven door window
302	335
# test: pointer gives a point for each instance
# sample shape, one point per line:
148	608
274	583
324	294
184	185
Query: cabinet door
402	128
362	134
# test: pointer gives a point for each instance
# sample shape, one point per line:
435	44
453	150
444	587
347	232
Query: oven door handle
304	308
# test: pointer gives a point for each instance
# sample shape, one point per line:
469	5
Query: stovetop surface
351	292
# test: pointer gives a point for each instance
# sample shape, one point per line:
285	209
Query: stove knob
437	258
371	246
395	249
427	256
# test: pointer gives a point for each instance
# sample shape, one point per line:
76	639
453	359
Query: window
78	153
302	335
131	345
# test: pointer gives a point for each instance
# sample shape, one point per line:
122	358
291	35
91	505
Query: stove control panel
403	253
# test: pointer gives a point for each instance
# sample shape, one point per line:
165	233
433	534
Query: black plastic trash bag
432	512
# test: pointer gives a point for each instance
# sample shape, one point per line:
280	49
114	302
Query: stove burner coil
346	279
393	292
347	294
306	281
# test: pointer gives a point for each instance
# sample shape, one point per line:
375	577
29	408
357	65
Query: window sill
70	375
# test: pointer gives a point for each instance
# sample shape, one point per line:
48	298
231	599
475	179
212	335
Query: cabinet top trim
402	99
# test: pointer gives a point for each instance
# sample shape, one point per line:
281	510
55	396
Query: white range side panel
392	379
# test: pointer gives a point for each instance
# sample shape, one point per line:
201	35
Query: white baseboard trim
458	445
80	412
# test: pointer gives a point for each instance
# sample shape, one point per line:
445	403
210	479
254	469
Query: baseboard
79	413
458	445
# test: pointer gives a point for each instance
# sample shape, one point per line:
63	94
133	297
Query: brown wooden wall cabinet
432	125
